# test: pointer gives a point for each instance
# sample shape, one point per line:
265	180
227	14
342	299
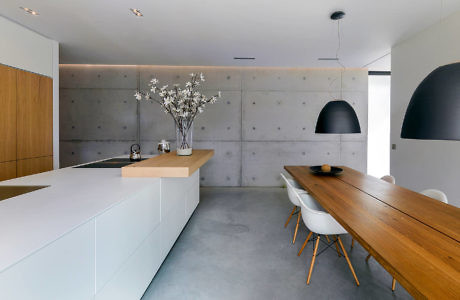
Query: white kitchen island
91	234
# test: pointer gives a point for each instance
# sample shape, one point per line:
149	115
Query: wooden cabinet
34	115
26	123
7	114
7	170
34	165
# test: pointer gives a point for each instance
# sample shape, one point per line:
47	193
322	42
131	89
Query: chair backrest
389	178
291	182
435	194
291	190
316	219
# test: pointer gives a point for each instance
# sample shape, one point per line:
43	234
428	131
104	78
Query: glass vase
184	131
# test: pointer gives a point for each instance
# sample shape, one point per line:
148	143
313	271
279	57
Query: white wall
421	164
378	144
27	50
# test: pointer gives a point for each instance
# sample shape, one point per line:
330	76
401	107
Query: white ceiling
289	33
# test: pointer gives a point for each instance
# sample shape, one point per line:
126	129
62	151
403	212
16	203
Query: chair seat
317	219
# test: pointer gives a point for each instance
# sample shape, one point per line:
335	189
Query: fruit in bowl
326	168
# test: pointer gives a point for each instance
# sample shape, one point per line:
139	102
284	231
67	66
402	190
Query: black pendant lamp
337	117
434	109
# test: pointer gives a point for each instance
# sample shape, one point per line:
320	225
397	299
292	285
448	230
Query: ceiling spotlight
136	12
244	58
29	11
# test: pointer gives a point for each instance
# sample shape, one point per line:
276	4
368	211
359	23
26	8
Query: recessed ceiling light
29	11
328	58
136	12
244	58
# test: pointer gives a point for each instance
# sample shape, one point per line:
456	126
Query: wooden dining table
414	237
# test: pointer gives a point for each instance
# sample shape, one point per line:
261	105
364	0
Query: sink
109	163
9	191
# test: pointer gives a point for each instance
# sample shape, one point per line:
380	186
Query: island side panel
62	270
121	230
180	196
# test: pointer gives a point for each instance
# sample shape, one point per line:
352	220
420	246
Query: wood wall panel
34	115
34	165
7	170
7	114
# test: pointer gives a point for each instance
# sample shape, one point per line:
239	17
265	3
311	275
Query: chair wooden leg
327	238
393	285
296	227
313	260
337	246
367	258
352	242
290	216
348	260
305	243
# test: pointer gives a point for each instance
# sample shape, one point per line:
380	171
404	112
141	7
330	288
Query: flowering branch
182	104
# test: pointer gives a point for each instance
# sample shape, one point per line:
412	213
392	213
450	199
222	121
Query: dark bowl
334	171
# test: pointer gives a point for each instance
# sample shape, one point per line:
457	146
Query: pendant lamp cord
341	81
337	57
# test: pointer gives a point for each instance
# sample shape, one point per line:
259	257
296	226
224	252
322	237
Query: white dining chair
321	223
292	186
389	179
435	194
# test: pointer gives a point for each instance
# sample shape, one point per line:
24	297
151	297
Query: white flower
182	104
219	94
167	101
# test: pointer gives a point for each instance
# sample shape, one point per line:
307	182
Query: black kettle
135	153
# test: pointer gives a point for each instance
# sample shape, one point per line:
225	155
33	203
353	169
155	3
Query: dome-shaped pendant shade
337	117
434	109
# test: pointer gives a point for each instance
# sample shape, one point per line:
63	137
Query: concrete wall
264	120
419	164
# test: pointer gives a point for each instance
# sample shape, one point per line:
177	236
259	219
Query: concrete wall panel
279	79
78	152
287	116
155	124
224	168
115	77
97	114
263	161
223	79
220	121
354	155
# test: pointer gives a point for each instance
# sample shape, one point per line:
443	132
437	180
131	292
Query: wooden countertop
168	165
421	251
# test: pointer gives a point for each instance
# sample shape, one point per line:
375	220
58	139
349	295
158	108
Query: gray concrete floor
235	247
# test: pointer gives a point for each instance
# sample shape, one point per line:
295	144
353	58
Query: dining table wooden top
414	237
